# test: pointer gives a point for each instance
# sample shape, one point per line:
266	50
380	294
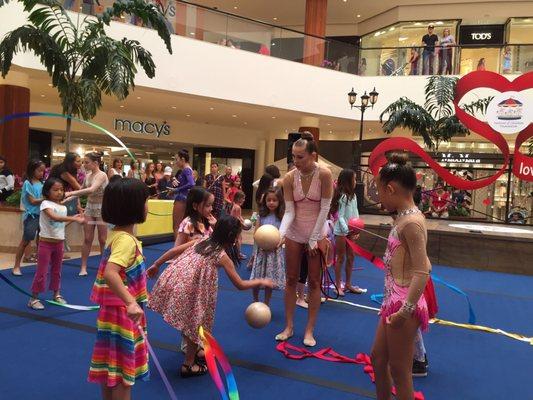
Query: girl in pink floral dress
186	297
198	221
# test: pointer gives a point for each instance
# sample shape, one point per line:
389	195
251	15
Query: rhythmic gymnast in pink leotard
308	190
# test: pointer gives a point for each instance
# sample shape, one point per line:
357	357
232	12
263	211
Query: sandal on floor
187	371
35	304
198	359
59	299
30	259
16	273
356	290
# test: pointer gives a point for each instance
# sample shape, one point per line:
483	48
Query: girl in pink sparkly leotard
404	307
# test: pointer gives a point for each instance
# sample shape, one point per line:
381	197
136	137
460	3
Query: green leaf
440	91
148	13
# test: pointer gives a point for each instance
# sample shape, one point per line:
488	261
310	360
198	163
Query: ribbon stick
214	353
55	303
170	391
471	314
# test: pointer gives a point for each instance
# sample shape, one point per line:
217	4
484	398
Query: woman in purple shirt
185	182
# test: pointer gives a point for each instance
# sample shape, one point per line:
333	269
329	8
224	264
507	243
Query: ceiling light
50	84
330	131
211	108
245	123
329	124
191	33
275	18
188	115
273	117
138	97
377	34
234	115
43	95
121	106
402	39
440	23
418	23
174	107
235	7
391	28
358	15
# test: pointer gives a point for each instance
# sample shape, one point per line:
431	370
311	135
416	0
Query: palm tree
435	121
80	58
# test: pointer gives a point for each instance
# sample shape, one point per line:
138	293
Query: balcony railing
211	25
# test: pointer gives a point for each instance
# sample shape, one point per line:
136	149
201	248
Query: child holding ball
186	297
269	264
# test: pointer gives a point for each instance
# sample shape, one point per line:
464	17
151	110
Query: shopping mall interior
235	83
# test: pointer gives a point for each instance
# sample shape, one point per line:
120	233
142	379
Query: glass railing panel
341	56
249	36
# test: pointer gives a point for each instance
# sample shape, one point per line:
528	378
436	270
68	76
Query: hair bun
184	151
398	158
306	135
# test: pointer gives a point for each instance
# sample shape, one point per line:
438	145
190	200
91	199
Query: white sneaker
35	304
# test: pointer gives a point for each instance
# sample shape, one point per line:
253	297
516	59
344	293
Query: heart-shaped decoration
487	201
419	175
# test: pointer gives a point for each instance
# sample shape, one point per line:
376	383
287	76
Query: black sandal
198	359
188	372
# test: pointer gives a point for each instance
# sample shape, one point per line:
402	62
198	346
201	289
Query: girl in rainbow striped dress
120	353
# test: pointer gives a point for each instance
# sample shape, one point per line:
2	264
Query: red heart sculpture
487	201
523	166
419	176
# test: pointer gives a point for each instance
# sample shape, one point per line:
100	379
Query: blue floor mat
53	352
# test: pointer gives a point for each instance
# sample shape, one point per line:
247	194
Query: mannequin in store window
116	169
413	61
481	65
445	52
507	60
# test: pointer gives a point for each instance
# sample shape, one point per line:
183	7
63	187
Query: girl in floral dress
198	221
186	297
269	264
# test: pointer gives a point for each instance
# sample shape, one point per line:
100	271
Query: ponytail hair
398	169
308	141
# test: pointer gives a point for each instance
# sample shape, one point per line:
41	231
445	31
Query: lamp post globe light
367	101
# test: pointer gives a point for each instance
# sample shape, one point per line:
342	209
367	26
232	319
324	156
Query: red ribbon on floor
523	165
328	354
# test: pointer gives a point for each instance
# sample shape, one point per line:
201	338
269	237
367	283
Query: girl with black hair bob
186	297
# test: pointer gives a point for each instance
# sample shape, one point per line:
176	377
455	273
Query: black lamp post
357	148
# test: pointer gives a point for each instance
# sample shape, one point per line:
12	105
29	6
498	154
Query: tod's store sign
142	127
481	34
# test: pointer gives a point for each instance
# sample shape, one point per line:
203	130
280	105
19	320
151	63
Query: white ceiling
292	12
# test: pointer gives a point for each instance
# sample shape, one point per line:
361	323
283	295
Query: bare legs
178	212
119	392
293	255
392	358
88	230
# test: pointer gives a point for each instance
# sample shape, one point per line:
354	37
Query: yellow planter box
159	219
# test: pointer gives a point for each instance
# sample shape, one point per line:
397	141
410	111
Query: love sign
510	110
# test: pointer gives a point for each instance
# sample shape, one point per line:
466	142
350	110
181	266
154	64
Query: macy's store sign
142	127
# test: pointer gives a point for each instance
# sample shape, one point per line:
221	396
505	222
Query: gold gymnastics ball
267	237
247	225
258	315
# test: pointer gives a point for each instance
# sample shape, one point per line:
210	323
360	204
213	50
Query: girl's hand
80	219
353	236
135	312
152	271
281	242
312	248
212	220
396	320
266	283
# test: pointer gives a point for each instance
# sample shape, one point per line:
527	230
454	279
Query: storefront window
391	50
520	51
500	202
